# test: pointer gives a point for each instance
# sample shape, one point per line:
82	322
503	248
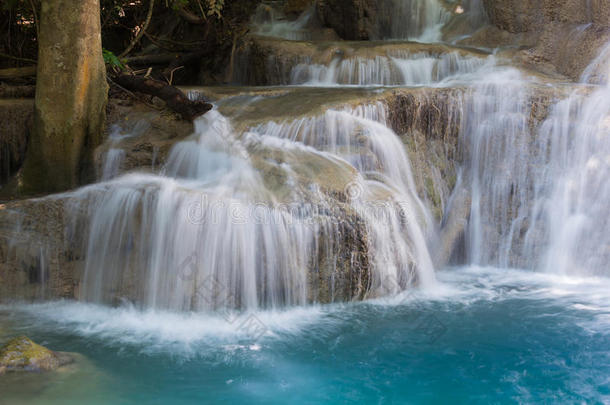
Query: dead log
15	73
173	97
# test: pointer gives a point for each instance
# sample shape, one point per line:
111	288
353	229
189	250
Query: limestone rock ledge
43	241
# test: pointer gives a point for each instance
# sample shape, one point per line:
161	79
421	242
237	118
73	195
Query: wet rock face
428	122
294	8
21	354
351	19
532	15
568	34
565	49
39	251
149	135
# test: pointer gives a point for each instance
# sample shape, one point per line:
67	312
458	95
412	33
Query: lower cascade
214	229
211	217
396	201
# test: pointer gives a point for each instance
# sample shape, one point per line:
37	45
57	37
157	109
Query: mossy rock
21	354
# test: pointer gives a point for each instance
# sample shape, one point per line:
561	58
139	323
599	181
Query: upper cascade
415	20
268	61
407	20
399	68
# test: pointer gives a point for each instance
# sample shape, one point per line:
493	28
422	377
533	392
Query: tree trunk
71	96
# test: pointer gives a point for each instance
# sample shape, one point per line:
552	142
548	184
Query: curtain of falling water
419	20
361	138
208	234
540	196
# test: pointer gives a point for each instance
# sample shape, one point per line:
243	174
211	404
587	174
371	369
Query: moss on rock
22	354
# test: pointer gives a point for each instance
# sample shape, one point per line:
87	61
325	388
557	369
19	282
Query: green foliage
112	60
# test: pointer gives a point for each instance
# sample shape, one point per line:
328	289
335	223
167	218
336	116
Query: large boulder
21	354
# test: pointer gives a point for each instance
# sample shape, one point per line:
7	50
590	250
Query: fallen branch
173	97
14	73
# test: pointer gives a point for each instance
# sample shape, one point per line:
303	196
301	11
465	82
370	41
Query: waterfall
210	232
540	194
323	205
397	68
417	20
112	163
269	22
362	138
495	133
576	138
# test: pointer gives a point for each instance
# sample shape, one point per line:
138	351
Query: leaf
111	59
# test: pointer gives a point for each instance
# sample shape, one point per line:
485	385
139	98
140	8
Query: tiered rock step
273	61
426	119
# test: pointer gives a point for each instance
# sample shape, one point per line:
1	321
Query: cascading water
539	195
417	20
362	138
574	190
495	132
208	235
213	215
399	68
269	22
352	63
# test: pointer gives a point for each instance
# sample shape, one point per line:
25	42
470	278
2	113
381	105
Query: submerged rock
22	354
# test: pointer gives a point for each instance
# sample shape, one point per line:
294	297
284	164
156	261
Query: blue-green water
481	336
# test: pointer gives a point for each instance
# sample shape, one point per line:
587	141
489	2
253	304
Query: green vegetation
112	60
